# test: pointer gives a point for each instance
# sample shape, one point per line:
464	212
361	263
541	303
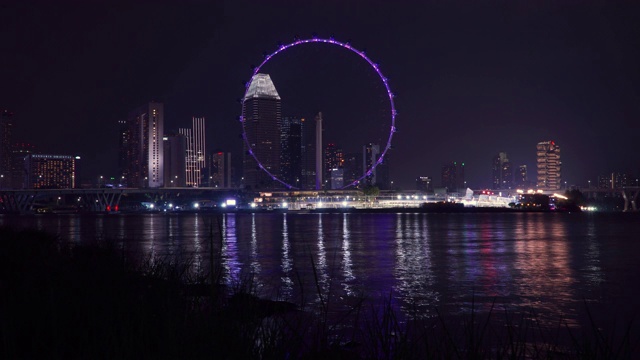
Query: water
549	264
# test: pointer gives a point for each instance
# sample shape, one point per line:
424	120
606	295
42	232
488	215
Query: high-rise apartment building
549	165
195	159
141	146
262	125
50	171
175	150
502	172
220	170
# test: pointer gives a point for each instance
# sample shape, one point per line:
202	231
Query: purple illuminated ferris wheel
347	46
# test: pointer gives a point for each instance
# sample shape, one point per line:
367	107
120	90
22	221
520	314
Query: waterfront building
195	159
50	171
220	170
262	122
175	150
424	184
141	147
549	165
502	172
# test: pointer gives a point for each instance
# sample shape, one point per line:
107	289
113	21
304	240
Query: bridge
629	194
97	200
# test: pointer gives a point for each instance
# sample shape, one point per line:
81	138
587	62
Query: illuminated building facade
220	170
142	150
262	117
334	160
195	159
502	172
174	160
549	166
50	171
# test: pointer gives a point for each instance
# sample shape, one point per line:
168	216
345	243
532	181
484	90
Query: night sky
472	78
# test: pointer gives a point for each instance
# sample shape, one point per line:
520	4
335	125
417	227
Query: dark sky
472	78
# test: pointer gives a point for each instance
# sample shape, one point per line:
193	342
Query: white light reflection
229	252
255	265
321	266
287	263
413	270
346	257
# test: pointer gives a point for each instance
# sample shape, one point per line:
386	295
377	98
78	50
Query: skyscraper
262	122
334	160
195	159
291	150
220	170
502	172
174	160
319	146
143	148
549	165
308	158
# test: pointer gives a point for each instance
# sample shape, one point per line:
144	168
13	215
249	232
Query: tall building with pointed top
549	165
262	118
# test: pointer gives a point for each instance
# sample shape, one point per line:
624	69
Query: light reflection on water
545	263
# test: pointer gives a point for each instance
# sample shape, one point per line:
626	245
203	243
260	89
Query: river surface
552	265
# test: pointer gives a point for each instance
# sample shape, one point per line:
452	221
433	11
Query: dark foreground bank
90	301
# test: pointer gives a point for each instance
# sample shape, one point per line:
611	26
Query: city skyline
505	79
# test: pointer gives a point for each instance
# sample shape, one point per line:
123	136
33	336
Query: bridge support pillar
630	200
18	202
